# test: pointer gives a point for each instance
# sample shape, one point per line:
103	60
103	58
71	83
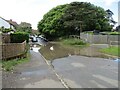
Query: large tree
68	19
110	18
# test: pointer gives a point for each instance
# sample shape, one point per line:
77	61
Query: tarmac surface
87	72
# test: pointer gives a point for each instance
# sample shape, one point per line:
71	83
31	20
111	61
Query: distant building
119	13
35	31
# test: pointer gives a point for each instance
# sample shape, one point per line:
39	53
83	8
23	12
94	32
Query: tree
110	18
68	19
24	27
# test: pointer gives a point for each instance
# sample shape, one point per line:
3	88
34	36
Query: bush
73	42
5	30
19	37
115	33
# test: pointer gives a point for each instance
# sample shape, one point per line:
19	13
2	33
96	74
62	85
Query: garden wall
10	50
5	38
99	39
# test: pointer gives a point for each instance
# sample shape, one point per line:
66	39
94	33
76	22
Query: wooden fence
10	50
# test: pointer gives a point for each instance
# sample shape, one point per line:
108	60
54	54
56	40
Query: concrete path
87	72
34	74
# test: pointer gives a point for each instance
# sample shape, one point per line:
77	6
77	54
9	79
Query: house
8	24
12	23
6	27
35	31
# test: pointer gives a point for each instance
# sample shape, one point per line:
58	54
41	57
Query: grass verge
9	65
72	41
111	50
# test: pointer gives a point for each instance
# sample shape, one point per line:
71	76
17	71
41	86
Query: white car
34	39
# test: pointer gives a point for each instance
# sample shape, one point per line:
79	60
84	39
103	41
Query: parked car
43	38
34	39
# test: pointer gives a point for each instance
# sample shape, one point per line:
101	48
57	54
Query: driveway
87	72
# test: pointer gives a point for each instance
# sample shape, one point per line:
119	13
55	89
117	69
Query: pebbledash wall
100	39
10	50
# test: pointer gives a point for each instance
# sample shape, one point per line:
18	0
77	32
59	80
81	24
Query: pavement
0	76
34	74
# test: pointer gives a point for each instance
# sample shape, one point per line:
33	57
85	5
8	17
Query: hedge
19	37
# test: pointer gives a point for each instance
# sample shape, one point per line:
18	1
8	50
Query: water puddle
117	60
35	48
54	50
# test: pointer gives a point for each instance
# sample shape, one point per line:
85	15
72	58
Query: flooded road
82	67
60	51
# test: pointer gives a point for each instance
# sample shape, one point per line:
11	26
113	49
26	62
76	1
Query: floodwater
53	51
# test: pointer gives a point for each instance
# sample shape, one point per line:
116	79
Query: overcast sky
32	11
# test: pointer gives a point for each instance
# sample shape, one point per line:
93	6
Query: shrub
115	33
5	30
19	37
74	42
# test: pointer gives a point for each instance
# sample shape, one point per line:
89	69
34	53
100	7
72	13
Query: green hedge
5	30
19	37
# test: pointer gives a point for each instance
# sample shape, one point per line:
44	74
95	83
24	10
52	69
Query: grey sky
32	11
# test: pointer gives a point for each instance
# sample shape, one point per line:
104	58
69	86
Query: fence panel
10	50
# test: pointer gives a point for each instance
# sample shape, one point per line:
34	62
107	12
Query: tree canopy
24	27
68	19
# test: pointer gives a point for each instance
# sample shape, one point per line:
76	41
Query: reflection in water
64	51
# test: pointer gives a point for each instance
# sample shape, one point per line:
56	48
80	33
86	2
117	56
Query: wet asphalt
87	72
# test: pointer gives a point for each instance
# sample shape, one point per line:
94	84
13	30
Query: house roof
3	19
12	22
